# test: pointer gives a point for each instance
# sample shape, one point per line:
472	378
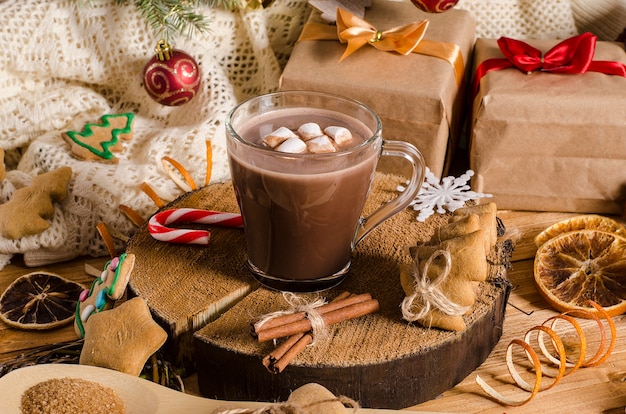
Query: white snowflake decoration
452	193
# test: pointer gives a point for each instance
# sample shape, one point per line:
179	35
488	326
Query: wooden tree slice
380	360
187	286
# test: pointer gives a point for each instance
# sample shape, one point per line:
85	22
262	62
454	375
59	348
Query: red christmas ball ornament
435	6
172	77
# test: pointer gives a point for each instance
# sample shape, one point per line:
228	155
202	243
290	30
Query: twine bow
301	304
406	39
288	408
571	56
427	292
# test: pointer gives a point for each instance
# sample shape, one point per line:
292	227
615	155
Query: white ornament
451	194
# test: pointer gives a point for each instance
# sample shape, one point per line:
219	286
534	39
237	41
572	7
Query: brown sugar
71	395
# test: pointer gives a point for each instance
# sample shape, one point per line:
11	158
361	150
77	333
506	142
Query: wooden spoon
139	395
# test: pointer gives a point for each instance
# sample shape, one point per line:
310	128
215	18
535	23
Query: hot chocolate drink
301	211
301	194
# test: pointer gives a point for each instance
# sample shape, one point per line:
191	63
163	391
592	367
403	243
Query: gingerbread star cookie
98	142
104	291
28	210
122	338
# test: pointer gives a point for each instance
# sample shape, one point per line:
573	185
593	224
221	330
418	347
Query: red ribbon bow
573	55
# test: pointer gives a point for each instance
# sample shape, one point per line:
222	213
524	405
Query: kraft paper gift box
550	141
417	96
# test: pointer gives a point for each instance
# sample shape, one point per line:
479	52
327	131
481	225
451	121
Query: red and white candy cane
158	224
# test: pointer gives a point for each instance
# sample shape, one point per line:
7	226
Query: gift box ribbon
572	56
406	39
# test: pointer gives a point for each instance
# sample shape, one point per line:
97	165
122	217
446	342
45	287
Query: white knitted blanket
547	19
68	62
604	18
522	19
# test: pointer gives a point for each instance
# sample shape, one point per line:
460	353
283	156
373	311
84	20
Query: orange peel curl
560	361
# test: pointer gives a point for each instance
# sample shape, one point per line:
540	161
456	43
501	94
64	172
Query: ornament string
300	304
427	293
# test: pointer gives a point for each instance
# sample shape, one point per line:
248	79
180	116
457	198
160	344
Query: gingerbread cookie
440	285
310	398
122	338
487	216
29	209
97	142
105	290
314	398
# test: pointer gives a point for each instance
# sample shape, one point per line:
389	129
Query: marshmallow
339	134
277	137
309	130
320	144
292	145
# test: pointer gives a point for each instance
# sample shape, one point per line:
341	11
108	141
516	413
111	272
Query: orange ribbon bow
357	33
406	39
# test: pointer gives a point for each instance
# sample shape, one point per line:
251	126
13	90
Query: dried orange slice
575	267
39	300
584	222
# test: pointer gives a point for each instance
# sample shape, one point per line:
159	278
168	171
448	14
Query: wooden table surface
599	389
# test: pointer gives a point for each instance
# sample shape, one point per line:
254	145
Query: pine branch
171	18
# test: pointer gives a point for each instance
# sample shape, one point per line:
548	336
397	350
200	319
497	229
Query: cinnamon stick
342	300
282	363
335	316
277	360
292	317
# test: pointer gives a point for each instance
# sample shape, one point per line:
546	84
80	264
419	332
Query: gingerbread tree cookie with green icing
98	142
105	290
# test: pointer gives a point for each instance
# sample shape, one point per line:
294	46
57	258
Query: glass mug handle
410	153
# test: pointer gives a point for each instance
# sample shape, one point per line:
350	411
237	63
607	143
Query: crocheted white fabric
69	62
604	18
522	19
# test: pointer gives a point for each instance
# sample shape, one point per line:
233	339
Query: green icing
115	133
98	281
111	288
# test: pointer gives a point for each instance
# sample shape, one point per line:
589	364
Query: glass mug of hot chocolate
302	164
